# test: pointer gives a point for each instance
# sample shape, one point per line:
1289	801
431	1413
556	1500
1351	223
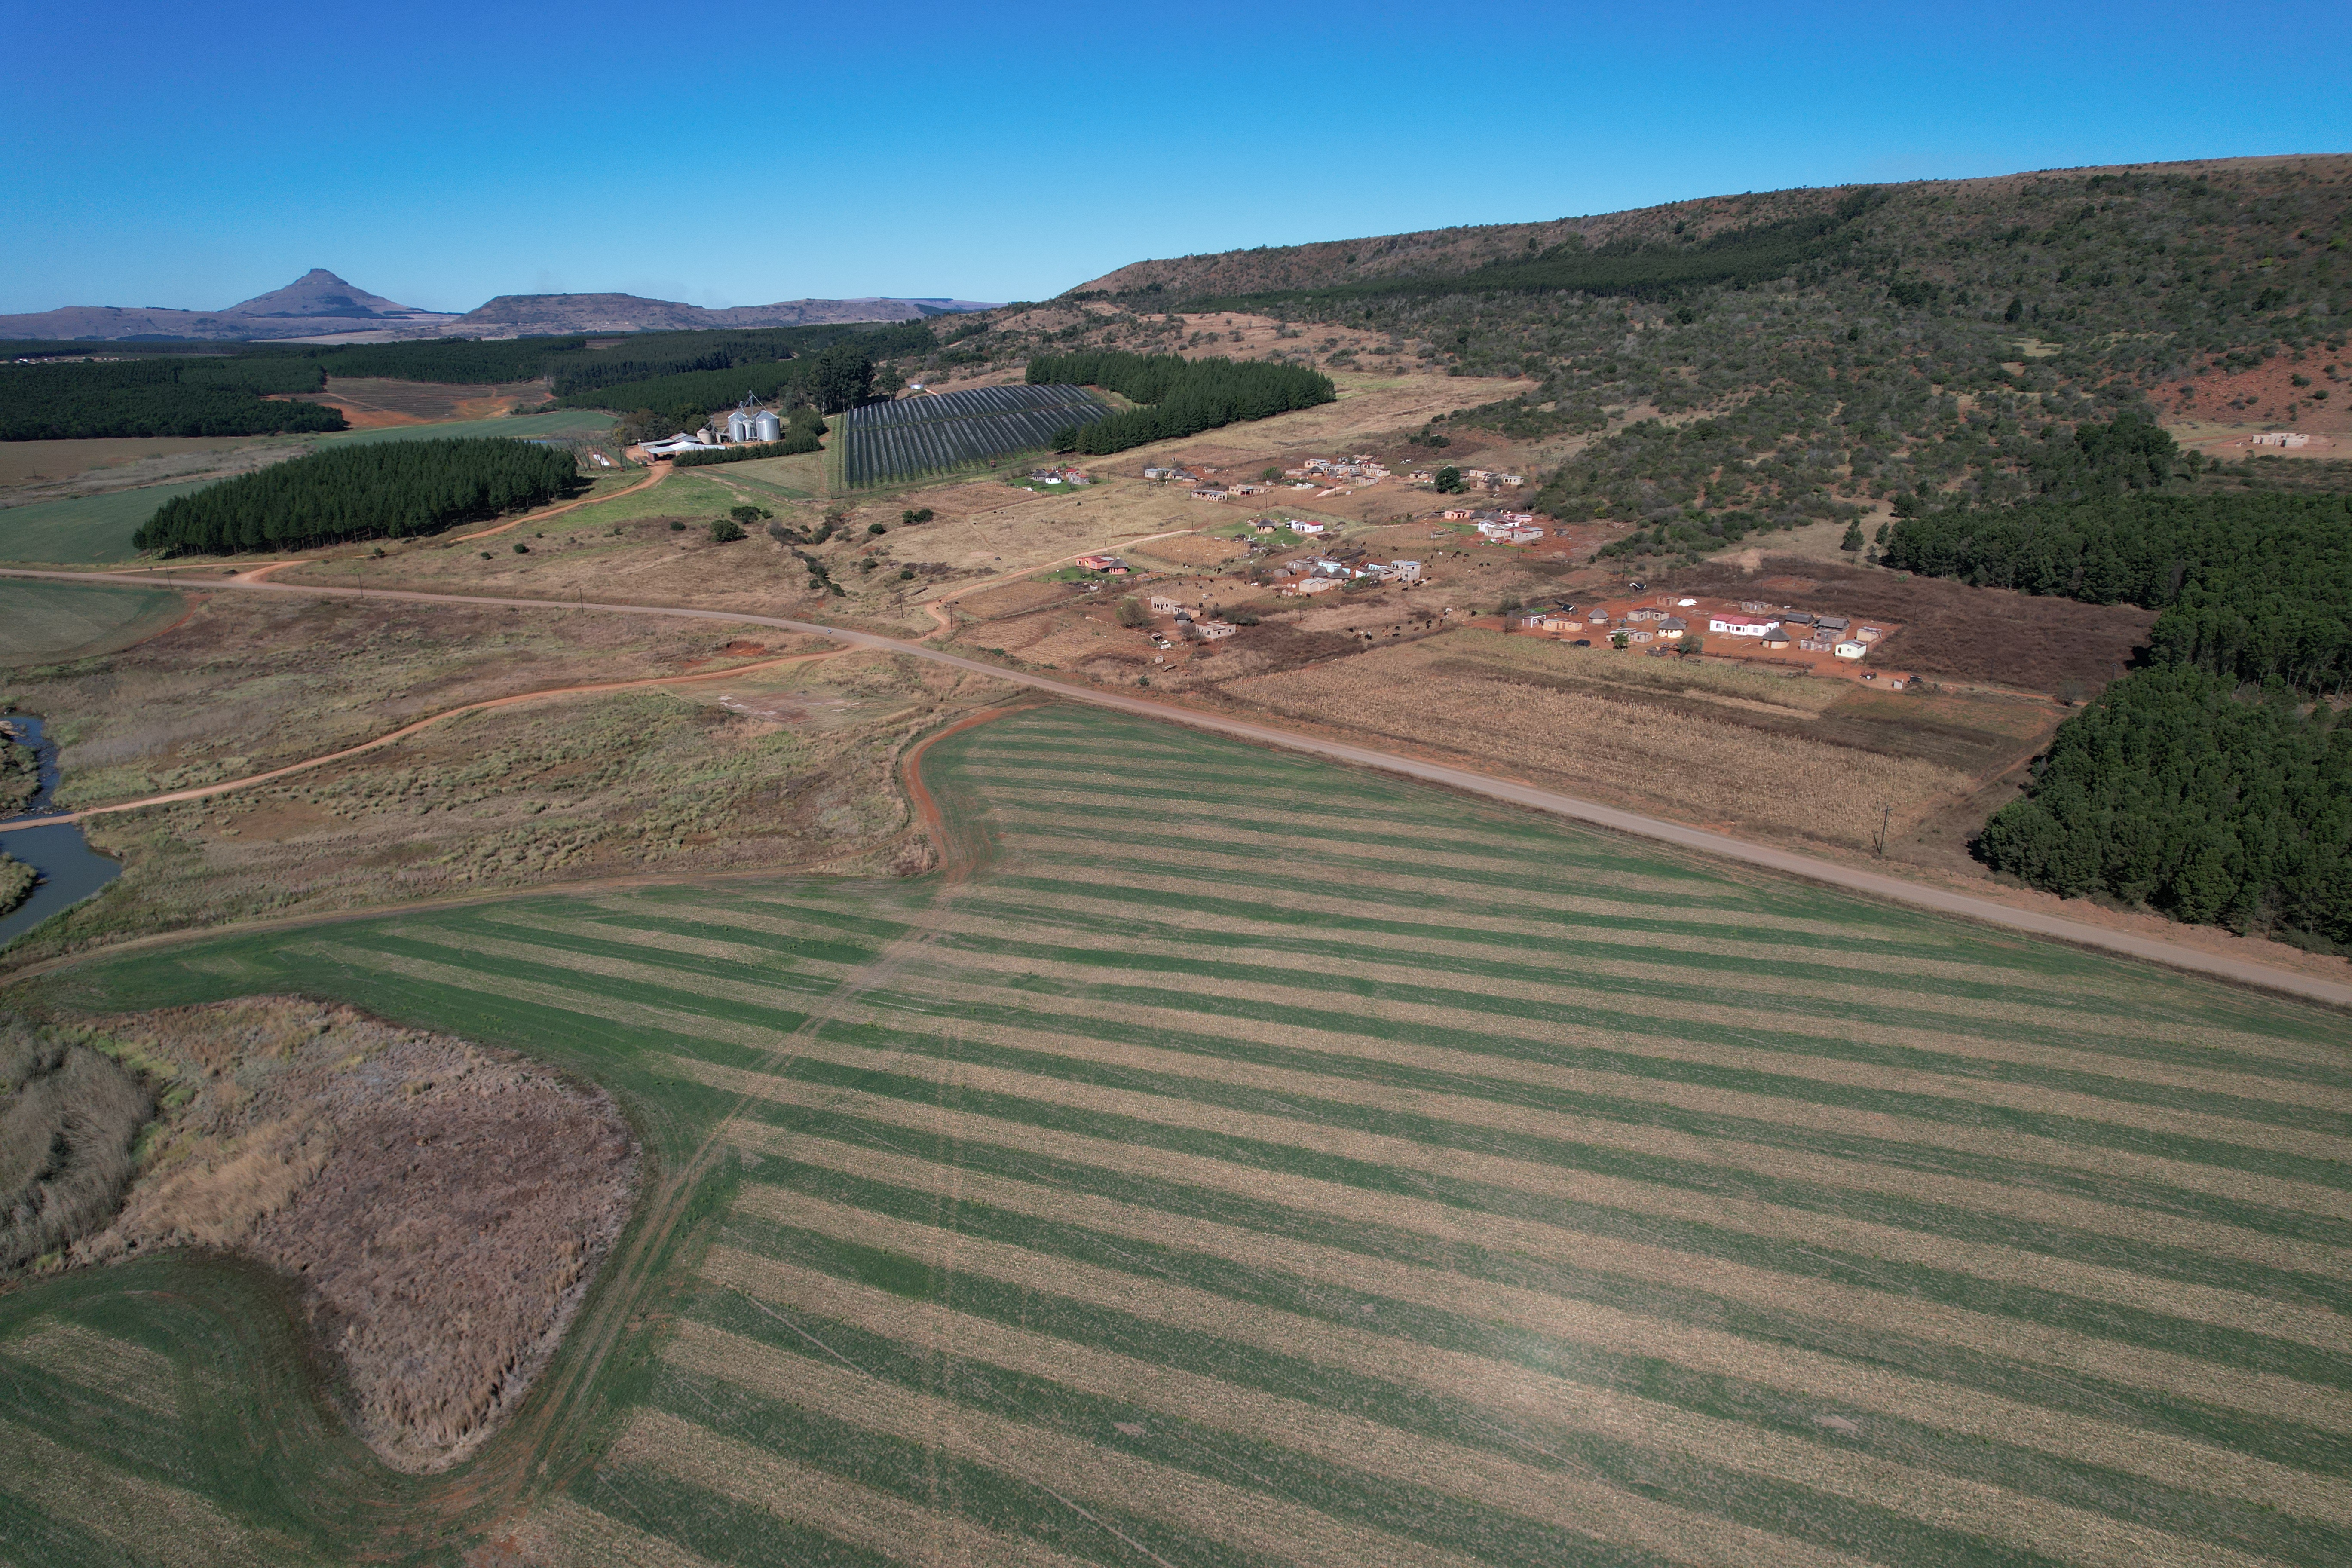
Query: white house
1738	623
1298	527
1851	650
1405	571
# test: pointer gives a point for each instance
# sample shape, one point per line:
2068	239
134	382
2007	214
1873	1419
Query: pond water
70	869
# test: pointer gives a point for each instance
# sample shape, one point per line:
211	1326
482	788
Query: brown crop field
1236	1159
1754	751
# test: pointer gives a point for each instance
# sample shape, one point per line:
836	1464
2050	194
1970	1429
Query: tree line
388	490
1183	396
176	396
2250	584
2216	783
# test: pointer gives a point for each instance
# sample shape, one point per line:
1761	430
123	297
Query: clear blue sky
194	154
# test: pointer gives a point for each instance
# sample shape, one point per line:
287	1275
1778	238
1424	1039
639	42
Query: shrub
725	531
921	514
520	548
874	529
676	526
1131	614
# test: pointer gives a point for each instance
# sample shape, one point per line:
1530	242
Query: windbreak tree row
390	489
177	396
1184	396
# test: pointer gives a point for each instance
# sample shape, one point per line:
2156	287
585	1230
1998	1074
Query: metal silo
767	427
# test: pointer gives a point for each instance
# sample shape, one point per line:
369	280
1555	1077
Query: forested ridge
162	397
390	489
1182	398
2215	785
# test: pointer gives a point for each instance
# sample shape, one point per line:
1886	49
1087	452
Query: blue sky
196	154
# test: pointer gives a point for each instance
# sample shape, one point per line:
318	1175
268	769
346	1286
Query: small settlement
1746	629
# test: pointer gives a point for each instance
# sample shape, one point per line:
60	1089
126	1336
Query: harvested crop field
1243	1160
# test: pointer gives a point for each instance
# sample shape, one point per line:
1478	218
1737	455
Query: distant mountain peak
320	295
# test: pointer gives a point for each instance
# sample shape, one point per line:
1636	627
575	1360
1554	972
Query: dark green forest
162	397
2174	791
2251	587
1182	398
454	362
2216	784
1630	269
390	489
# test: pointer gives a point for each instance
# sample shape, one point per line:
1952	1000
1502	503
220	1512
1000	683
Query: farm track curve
1509	791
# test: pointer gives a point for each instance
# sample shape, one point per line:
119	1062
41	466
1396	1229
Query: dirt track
1831	873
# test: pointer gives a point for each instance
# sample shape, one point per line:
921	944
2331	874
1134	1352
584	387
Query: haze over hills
318	304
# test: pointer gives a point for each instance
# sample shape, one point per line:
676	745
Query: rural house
1738	623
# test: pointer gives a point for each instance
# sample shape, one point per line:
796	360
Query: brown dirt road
1831	873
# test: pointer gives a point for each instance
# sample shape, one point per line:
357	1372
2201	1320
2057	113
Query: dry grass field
1720	744
784	766
1239	1159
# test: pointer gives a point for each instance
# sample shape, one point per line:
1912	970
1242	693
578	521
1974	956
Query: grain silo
767	427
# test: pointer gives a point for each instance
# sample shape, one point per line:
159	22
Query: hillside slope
1755	361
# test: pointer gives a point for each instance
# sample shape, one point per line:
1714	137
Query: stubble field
1235	1160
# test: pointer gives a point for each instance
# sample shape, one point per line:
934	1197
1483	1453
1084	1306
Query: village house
1849	649
1209	493
1673	626
1405	571
1162	605
1298	526
1210	631
1777	636
1738	625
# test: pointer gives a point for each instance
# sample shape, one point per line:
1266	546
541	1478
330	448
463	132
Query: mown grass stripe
1412	905
143	1518
567	1532
1953	1041
1715	963
1548	1405
2144	1197
1884	1059
1545	1496
607	961
2130	1193
1806	1066
670	935
1547	1165
803	1494
1836	1383
1251	1520
2047	1346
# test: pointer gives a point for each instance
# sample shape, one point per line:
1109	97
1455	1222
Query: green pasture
84	530
1248	1161
42	622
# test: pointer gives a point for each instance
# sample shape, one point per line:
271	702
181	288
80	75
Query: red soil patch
2267	395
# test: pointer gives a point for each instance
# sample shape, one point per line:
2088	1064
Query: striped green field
1247	1161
